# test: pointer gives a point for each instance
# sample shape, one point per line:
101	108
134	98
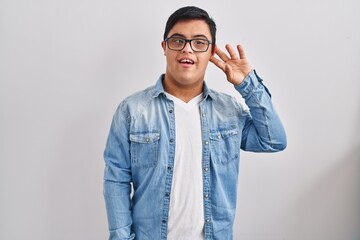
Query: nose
187	47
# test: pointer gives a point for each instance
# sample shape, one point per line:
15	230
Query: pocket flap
222	134
144	137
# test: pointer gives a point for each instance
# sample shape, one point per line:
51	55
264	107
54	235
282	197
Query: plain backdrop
66	65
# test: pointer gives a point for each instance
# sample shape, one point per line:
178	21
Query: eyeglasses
196	44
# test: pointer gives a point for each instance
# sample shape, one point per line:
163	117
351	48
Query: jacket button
206	169
206	195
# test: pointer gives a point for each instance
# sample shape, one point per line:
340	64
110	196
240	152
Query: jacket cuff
252	81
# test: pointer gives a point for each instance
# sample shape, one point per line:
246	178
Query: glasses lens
176	43
199	45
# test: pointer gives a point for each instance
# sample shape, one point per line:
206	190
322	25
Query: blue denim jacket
141	147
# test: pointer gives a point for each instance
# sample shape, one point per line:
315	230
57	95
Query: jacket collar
159	88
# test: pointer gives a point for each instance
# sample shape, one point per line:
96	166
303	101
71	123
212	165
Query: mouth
186	61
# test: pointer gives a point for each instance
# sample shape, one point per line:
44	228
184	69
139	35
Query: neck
185	92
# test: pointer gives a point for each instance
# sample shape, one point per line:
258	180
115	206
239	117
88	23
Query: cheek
167	55
204	60
170	59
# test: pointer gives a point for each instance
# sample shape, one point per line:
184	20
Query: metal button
206	195
206	142
147	140
206	169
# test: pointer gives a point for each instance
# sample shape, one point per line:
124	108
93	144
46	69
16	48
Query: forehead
191	28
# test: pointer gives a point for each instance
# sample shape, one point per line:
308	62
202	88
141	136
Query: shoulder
223	99
135	103
227	104
220	96
139	96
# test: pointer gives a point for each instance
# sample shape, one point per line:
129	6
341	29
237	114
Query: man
178	142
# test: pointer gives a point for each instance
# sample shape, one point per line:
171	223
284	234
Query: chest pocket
224	145
144	149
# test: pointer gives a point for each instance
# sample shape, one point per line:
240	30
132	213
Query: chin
188	79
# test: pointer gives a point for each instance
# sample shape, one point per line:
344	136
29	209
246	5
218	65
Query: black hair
190	13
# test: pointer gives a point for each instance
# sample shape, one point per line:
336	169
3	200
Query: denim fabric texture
140	151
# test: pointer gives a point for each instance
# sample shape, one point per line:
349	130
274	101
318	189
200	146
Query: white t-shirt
186	213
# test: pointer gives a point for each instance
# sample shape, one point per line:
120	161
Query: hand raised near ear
235	67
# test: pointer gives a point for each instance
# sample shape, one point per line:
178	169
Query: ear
213	48
163	45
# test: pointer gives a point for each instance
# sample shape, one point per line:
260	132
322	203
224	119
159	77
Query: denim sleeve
117	178
263	130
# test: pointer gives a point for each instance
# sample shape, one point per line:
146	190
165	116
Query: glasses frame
187	41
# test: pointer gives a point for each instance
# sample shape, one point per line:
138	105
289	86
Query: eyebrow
195	36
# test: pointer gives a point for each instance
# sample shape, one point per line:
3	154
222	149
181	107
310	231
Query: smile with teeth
186	61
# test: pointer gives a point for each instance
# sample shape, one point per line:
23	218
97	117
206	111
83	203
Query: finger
229	72
241	52
221	55
231	52
217	63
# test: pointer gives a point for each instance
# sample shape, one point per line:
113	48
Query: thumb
228	72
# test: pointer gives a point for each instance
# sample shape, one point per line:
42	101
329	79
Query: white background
66	65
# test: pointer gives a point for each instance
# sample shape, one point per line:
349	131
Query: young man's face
186	68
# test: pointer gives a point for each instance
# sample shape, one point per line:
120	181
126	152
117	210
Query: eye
200	41
178	40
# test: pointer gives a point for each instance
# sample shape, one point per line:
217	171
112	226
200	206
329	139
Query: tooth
186	61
